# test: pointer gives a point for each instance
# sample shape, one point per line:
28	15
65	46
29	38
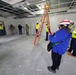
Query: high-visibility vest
74	33
1	27
37	26
46	28
71	27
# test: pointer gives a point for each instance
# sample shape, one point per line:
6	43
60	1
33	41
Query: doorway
3	30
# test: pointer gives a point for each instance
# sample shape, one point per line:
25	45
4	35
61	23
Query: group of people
72	49
12	29
60	41
38	29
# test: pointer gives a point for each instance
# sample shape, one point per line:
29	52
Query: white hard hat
71	21
65	22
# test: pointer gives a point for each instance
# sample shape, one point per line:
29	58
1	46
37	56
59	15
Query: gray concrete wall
54	21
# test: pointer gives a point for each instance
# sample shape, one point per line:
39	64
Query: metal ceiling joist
66	3
28	8
10	9
22	8
71	4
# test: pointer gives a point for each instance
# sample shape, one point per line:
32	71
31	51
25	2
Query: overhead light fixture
25	8
12	1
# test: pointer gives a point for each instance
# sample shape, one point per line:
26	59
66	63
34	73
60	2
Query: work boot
50	69
46	40
73	55
57	68
68	52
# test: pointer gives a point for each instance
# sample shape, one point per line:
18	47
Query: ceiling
32	8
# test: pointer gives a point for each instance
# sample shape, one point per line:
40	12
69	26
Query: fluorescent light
12	1
25	8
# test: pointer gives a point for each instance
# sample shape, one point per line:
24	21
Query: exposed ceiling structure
33	8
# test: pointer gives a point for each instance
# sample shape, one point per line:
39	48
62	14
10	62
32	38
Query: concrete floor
18	56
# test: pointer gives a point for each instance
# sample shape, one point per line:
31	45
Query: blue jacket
59	36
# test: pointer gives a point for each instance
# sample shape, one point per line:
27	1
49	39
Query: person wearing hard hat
20	29
72	49
60	41
12	29
47	32
71	26
37	26
27	29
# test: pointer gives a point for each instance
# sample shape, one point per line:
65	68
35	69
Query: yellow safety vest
46	28
70	27
74	33
37	26
1	27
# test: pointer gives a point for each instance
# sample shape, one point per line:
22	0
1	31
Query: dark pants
27	33
37	33
73	47
36	30
1	32
56	60
20	32
46	35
